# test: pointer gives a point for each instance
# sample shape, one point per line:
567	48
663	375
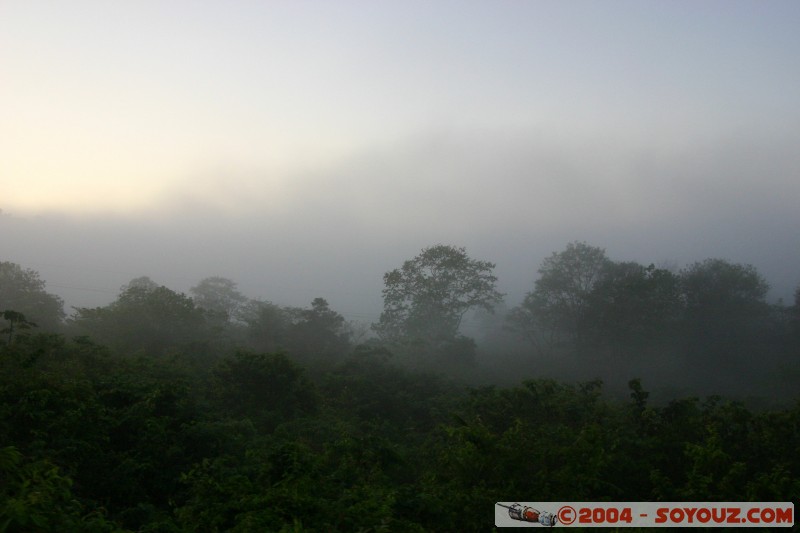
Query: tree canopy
558	307
584	301
23	291
220	295
146	317
427	297
318	332
725	308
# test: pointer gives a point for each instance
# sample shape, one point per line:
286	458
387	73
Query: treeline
708	324
704	329
215	412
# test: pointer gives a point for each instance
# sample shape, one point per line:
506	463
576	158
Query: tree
558	307
429	295
16	321
266	325
262	386
37	496
319	331
218	294
725	305
634	306
794	314
23	291
143	283
720	284
145	317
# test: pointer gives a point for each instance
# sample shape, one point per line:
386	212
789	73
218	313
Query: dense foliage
161	412
426	299
23	291
255	444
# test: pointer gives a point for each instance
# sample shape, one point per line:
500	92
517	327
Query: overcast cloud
303	150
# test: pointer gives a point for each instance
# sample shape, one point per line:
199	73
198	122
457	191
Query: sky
304	148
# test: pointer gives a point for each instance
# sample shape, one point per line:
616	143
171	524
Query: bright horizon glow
303	148
121	107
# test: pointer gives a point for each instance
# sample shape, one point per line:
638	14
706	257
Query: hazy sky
304	148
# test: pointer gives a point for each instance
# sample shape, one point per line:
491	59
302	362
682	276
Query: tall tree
220	295
794	316
266	325
427	297
23	291
16	321
634	306
558	308
319	331
145	318
720	284
725	304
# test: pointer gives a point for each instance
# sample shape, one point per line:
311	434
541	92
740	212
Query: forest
213	411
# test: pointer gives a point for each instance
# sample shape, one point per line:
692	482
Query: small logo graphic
529	514
567	515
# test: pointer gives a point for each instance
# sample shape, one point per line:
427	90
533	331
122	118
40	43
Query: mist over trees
692	330
23	291
219	294
213	411
426	299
